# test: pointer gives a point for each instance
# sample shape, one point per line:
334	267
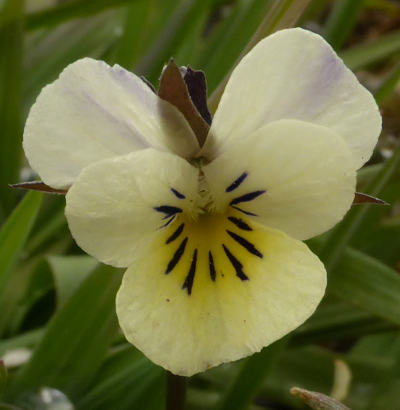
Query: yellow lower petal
189	311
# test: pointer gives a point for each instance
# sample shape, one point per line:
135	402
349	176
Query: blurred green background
59	339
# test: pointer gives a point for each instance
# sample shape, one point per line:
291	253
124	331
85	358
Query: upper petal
295	73
117	205
238	302
94	111
295	176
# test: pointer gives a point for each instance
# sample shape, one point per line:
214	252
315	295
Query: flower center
205	250
200	247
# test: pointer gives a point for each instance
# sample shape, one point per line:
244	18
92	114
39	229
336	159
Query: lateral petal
94	111
118	205
291	175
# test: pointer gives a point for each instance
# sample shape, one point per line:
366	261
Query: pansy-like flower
211	235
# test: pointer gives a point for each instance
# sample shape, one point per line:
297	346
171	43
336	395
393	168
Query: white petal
225	319
111	206
296	74
94	111
306	171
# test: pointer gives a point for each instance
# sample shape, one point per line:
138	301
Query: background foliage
59	338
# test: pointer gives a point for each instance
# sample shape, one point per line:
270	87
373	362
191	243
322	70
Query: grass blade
362	55
281	14
341	236
339	321
251	377
170	39
342	20
25	340
11	54
112	387
76	340
69	10
365	282
388	86
14	234
49	54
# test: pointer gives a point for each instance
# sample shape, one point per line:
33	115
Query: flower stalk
176	392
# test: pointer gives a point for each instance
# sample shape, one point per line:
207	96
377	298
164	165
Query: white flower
211	236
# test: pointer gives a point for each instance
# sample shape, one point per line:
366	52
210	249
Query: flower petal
225	318
295	176
94	111
117	205
295	74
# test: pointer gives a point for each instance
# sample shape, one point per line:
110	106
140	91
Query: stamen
245	243
177	194
240	223
236	264
188	284
175	234
243	211
177	256
236	183
167	210
211	266
247	197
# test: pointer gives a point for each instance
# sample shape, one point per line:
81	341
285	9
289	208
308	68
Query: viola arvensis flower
211	235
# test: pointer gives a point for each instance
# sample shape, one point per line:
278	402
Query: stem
176	392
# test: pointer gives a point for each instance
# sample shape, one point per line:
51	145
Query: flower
211	235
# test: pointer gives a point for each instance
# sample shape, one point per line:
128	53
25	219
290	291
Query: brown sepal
360	198
197	86
174	90
39	186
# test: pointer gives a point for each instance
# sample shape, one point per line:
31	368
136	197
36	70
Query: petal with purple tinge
94	111
295	74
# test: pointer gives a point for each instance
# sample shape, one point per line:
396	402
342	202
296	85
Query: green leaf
278	14
222	53
47	233
76	340
11	52
13	236
252	374
69	272
388	86
380	346
50	51
130	45
375	51
313	367
70	10
367	283
342	20
30	282
127	380
171	38
338	321
36	279
387	397
25	340
341	236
